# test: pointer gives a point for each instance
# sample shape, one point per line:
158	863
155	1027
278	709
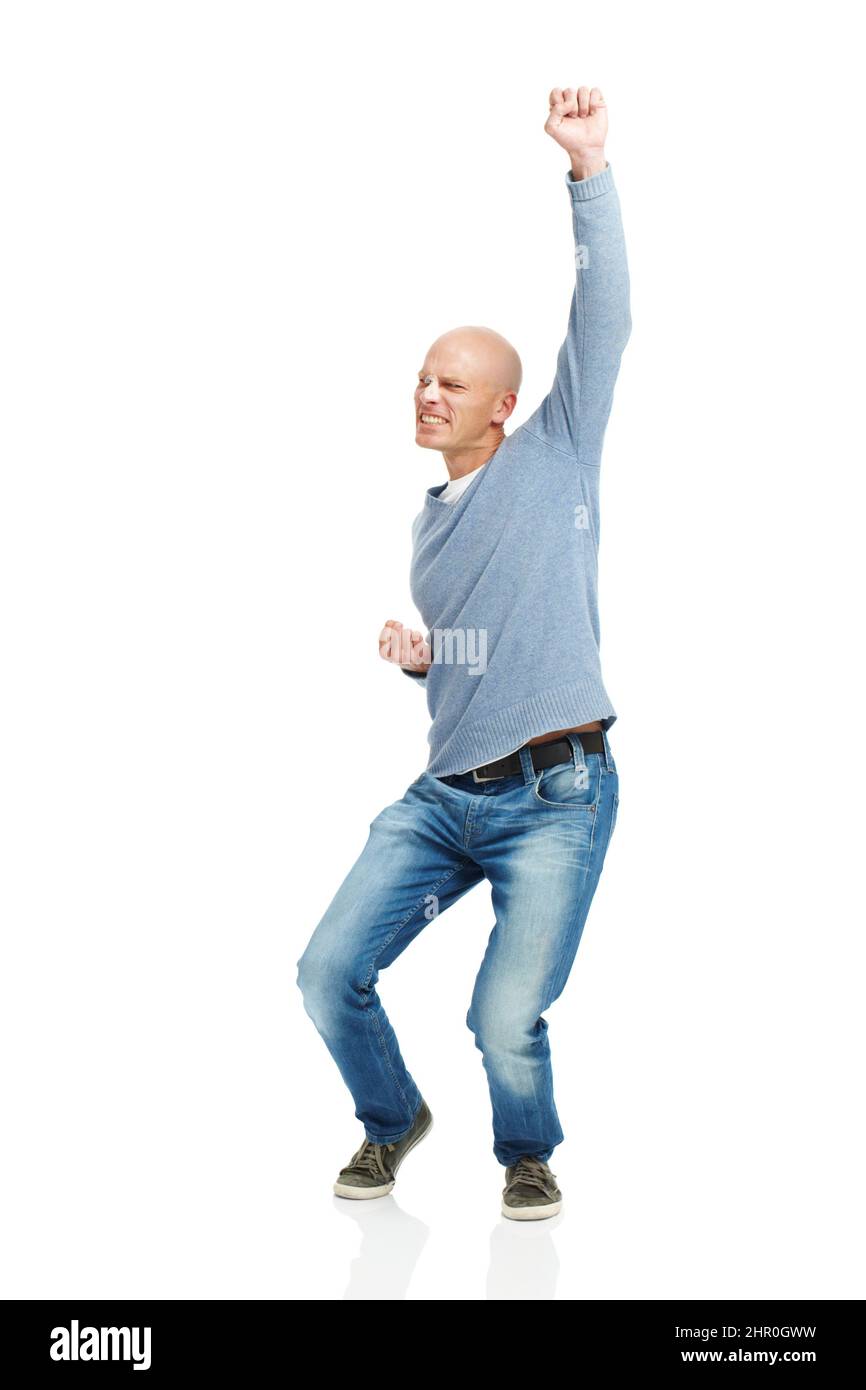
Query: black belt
559	750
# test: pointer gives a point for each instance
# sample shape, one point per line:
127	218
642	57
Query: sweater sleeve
416	676
574	414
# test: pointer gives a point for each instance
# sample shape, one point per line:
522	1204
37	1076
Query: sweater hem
578	702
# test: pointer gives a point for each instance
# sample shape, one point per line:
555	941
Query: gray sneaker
530	1190
371	1171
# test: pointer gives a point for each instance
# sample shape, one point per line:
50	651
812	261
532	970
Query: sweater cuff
583	189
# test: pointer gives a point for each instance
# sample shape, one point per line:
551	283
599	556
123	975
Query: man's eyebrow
446	376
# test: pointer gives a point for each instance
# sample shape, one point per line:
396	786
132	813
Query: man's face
455	403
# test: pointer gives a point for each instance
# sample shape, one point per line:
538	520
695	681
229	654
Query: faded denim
540	838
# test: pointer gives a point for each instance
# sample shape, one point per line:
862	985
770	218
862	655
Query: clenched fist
578	122
404	647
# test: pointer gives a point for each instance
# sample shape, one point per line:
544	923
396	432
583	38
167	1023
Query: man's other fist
404	647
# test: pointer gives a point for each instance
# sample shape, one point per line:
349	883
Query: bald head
467	388
483	354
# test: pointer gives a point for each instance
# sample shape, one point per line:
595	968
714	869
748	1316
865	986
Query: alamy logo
102	1344
469	643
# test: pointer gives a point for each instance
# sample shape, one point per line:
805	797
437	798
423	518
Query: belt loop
581	771
526	765
608	755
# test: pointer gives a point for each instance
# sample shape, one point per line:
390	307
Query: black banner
224	1338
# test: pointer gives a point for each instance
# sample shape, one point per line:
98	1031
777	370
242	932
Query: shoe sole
363	1193
531	1213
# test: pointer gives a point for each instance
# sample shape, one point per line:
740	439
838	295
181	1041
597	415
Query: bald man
477	374
520	788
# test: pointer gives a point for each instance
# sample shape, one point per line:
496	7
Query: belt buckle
495	778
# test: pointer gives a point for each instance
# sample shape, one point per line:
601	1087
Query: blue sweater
505	578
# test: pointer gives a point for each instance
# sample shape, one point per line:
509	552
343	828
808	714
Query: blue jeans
540	838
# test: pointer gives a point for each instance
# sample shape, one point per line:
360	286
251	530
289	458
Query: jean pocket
565	787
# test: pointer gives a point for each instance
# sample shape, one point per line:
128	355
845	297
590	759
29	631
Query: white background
230	233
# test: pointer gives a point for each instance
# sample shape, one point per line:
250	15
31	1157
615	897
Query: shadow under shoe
530	1192
372	1169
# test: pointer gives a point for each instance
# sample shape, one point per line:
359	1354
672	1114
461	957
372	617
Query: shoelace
368	1159
531	1170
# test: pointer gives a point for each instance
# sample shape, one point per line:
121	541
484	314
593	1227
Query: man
520	786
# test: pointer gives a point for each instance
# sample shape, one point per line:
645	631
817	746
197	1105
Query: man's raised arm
573	416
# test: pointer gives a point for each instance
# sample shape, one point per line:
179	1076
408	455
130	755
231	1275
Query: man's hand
578	122
404	647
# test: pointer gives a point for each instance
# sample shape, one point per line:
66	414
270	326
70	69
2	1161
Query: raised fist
578	120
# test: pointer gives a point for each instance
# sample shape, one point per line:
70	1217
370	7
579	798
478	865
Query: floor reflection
523	1261
391	1243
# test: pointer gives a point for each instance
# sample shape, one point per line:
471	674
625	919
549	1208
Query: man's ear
504	409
